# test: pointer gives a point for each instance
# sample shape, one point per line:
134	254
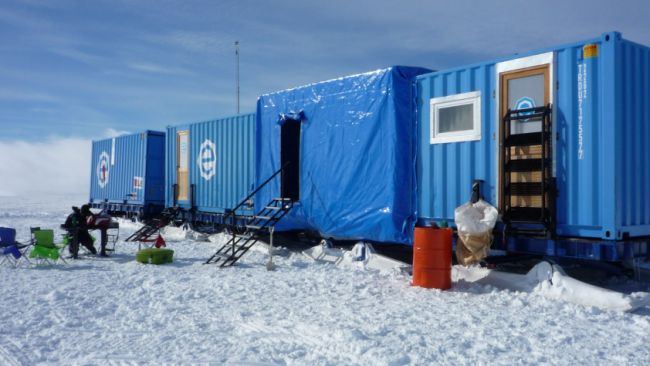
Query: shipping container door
182	165
525	87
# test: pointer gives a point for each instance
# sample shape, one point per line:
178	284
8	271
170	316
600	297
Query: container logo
525	103
102	169
582	100
207	159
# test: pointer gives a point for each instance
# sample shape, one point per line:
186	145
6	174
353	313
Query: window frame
436	104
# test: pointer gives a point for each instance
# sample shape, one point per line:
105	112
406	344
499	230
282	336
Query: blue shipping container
349	146
600	93
210	164
128	171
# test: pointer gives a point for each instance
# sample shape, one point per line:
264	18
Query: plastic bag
474	222
476	218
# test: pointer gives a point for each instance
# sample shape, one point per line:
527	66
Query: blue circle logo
207	159
525	103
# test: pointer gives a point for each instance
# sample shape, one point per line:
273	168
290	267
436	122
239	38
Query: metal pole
234	235
270	266
237	54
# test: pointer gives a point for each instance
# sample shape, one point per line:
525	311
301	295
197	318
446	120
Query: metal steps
527	214
229	253
525	189
152	226
528	185
526	165
525	139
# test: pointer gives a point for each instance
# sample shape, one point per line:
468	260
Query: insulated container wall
632	82
219	160
351	143
601	115
128	169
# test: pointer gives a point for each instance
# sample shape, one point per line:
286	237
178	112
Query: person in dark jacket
99	222
76	226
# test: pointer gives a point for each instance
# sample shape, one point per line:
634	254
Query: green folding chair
45	251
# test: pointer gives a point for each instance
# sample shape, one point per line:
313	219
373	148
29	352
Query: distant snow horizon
56	165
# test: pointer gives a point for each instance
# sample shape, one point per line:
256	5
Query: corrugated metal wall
445	172
233	176
602	167
123	180
155	170
634	129
578	157
356	156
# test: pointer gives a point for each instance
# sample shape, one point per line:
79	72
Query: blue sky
71	71
88	68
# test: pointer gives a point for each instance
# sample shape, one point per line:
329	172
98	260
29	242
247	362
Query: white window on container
456	118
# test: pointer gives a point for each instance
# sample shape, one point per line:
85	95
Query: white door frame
514	65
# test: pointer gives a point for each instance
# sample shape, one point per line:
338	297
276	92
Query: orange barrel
432	258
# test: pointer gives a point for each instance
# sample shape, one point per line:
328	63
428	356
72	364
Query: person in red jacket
100	221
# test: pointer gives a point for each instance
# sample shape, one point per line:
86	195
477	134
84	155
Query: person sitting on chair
101	222
76	226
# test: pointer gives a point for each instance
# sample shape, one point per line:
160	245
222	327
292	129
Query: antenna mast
237	54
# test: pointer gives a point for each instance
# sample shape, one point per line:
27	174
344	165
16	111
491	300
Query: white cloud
54	166
57	165
12	95
111	132
157	69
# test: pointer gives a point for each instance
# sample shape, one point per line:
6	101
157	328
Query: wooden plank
526	201
182	171
525	177
526	152
183	189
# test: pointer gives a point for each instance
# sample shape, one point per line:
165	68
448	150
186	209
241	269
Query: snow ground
116	311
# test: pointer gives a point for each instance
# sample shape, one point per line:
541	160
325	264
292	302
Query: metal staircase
253	227
153	226
528	186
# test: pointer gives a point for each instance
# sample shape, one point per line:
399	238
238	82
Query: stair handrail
233	213
234	210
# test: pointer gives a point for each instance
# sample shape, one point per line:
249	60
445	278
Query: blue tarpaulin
357	155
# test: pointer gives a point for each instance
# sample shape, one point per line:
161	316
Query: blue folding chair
11	250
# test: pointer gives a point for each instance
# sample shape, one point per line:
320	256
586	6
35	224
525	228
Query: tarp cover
357	157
